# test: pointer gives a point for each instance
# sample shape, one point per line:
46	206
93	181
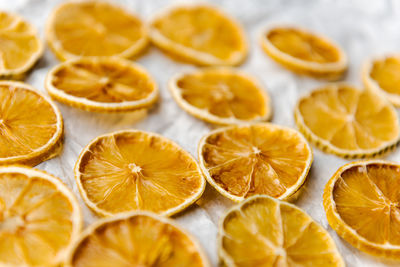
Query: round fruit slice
94	28
263	231
362	201
135	170
348	122
136	239
200	34
382	75
31	126
39	218
102	84
20	46
241	161
221	96
304	52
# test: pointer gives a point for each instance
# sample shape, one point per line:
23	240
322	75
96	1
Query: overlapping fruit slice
348	122
241	161
362	201
31	127
94	28
20	47
39	218
136	239
382	75
304	52
135	170
200	34
263	231
102	84
221	95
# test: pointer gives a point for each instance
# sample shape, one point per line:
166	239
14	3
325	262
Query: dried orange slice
241	161
20	46
102	84
361	202
304	52
94	28
39	218
263	231
31	126
136	239
382	75
348	122
201	34
135	170
221	96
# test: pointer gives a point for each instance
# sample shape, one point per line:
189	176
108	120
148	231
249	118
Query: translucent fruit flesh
387	74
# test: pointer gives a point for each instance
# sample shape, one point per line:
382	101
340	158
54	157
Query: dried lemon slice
221	95
31	126
102	84
304	52
20	46
200	34
262	231
241	161
94	28
348	122
382	75
136	239
39	218
361	202
135	170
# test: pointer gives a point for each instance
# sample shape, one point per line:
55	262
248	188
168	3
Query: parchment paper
362	27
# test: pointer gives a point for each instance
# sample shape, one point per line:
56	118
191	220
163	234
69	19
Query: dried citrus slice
361	202
382	75
241	161
304	52
263	231
94	28
135	170
348	122
200	34
20	46
136	239
31	126
102	84
221	95
39	218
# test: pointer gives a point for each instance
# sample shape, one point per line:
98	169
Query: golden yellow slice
382	75
221	96
135	170
136	239
94	28
362	204
102	84
201	34
31	126
241	161
304	52
347	122
263	231
39	218
20	46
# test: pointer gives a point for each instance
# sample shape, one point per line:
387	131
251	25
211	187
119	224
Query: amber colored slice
362	205
262	231
136	239
242	161
135	170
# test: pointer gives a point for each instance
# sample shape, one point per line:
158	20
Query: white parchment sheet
362	27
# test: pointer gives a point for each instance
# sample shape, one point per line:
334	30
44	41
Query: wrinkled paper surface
362	27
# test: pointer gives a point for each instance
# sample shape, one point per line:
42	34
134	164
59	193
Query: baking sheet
362	27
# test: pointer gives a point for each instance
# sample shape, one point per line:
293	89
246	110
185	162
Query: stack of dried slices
136	179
